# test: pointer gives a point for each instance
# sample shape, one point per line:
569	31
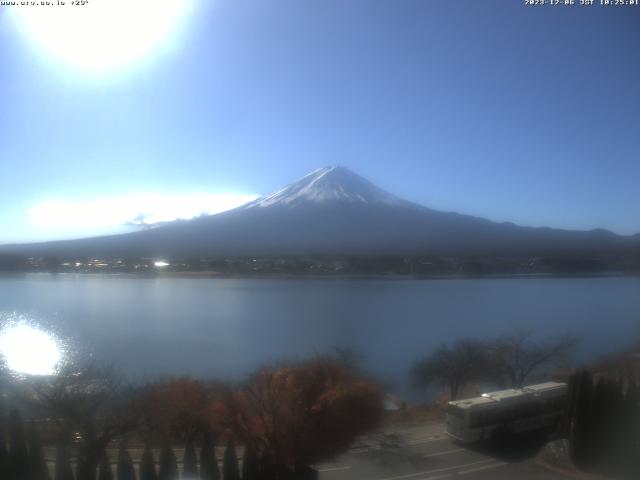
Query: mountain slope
335	211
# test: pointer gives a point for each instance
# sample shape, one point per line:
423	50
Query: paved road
426	453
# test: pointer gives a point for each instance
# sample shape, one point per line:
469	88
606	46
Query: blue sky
483	107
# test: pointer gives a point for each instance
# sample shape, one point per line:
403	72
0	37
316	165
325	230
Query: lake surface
226	327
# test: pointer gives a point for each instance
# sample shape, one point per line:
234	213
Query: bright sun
102	34
28	350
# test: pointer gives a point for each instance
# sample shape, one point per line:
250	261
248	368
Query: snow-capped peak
328	185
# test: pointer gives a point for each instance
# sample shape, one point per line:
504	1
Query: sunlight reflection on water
28	349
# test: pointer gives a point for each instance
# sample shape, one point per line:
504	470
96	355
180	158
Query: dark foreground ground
426	453
417	452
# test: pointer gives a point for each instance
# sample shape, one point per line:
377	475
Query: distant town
329	265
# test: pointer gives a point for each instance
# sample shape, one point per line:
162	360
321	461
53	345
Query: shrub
168	464
148	465
190	462
125	468
18	453
63	464
230	470
104	469
37	464
208	462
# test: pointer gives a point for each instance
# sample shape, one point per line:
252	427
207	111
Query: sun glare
102	34
28	350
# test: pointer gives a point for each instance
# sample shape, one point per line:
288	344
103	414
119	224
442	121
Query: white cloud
142	209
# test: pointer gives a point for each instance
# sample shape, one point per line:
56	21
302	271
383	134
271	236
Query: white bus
510	411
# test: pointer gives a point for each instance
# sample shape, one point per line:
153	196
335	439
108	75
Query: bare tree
350	357
91	404
517	356
454	366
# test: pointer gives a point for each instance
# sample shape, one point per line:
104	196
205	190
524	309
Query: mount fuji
328	185
335	211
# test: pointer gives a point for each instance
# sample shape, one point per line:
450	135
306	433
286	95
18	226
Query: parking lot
425	452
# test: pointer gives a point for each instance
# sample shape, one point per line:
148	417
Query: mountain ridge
333	210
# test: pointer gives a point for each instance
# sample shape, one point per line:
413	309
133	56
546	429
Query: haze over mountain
335	211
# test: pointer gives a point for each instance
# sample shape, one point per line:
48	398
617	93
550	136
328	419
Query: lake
226	327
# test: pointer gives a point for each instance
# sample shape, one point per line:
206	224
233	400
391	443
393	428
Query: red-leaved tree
180	409
299	415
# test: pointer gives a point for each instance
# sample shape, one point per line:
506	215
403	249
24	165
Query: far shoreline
326	276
